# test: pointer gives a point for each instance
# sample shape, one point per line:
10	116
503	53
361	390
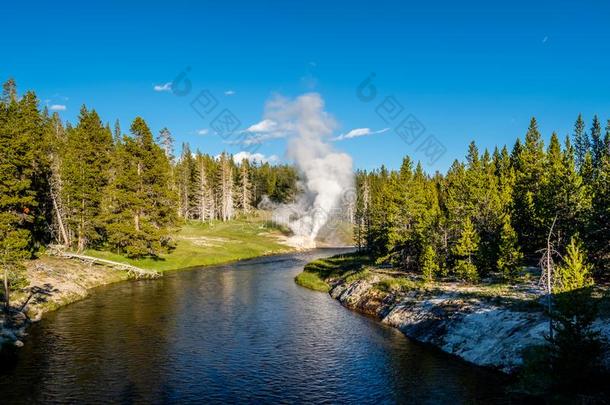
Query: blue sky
465	70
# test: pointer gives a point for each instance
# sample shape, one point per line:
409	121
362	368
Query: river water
243	332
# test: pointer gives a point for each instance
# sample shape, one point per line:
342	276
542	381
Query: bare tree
55	184
245	188
225	185
205	197
547	276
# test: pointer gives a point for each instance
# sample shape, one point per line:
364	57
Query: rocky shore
488	326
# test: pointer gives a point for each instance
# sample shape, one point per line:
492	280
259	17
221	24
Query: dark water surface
236	333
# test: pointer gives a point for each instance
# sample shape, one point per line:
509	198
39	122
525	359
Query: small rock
18	343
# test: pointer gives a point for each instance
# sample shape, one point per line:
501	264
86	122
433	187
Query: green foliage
20	141
140	205
569	363
428	264
85	172
574	272
510	255
464	250
400	213
598	226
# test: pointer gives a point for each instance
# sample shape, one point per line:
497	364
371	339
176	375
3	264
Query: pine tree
510	255
166	141
607	141
85	174
188	184
528	217
140	208
465	250
597	142
574	272
429	264
582	144
18	133
117	135
9	92
598	226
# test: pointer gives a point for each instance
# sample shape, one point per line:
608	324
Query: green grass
317	273
397	284
203	244
312	281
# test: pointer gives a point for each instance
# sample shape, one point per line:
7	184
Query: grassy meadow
205	244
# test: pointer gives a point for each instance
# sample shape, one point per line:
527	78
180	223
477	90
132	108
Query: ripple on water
242	332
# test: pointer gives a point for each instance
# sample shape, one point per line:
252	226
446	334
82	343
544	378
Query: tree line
88	185
493	212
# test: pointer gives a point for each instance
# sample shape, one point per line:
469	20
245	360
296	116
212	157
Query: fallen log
133	271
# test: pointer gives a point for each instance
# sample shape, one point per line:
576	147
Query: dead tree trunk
7	300
546	278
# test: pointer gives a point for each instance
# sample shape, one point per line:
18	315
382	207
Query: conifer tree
117	135
597	142
510	255
429	263
574	272
17	197
528	217
188	184
465	250
9	92
598	226
85	174
582	144
166	140
607	141
140	209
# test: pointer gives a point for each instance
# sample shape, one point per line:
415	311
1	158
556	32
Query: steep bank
58	282
488	325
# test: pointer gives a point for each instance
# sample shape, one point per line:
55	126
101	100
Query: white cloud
163	87
358	132
203	131
266	125
229	92
265	130
58	107
251	157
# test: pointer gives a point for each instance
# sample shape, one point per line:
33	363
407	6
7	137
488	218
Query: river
243	332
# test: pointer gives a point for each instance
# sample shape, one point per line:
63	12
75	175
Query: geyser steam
326	174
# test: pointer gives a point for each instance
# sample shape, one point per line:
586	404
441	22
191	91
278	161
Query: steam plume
326	174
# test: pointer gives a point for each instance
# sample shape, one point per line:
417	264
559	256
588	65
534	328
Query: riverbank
488	325
59	281
56	282
207	244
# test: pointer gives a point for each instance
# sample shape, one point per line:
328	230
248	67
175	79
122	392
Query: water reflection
243	332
